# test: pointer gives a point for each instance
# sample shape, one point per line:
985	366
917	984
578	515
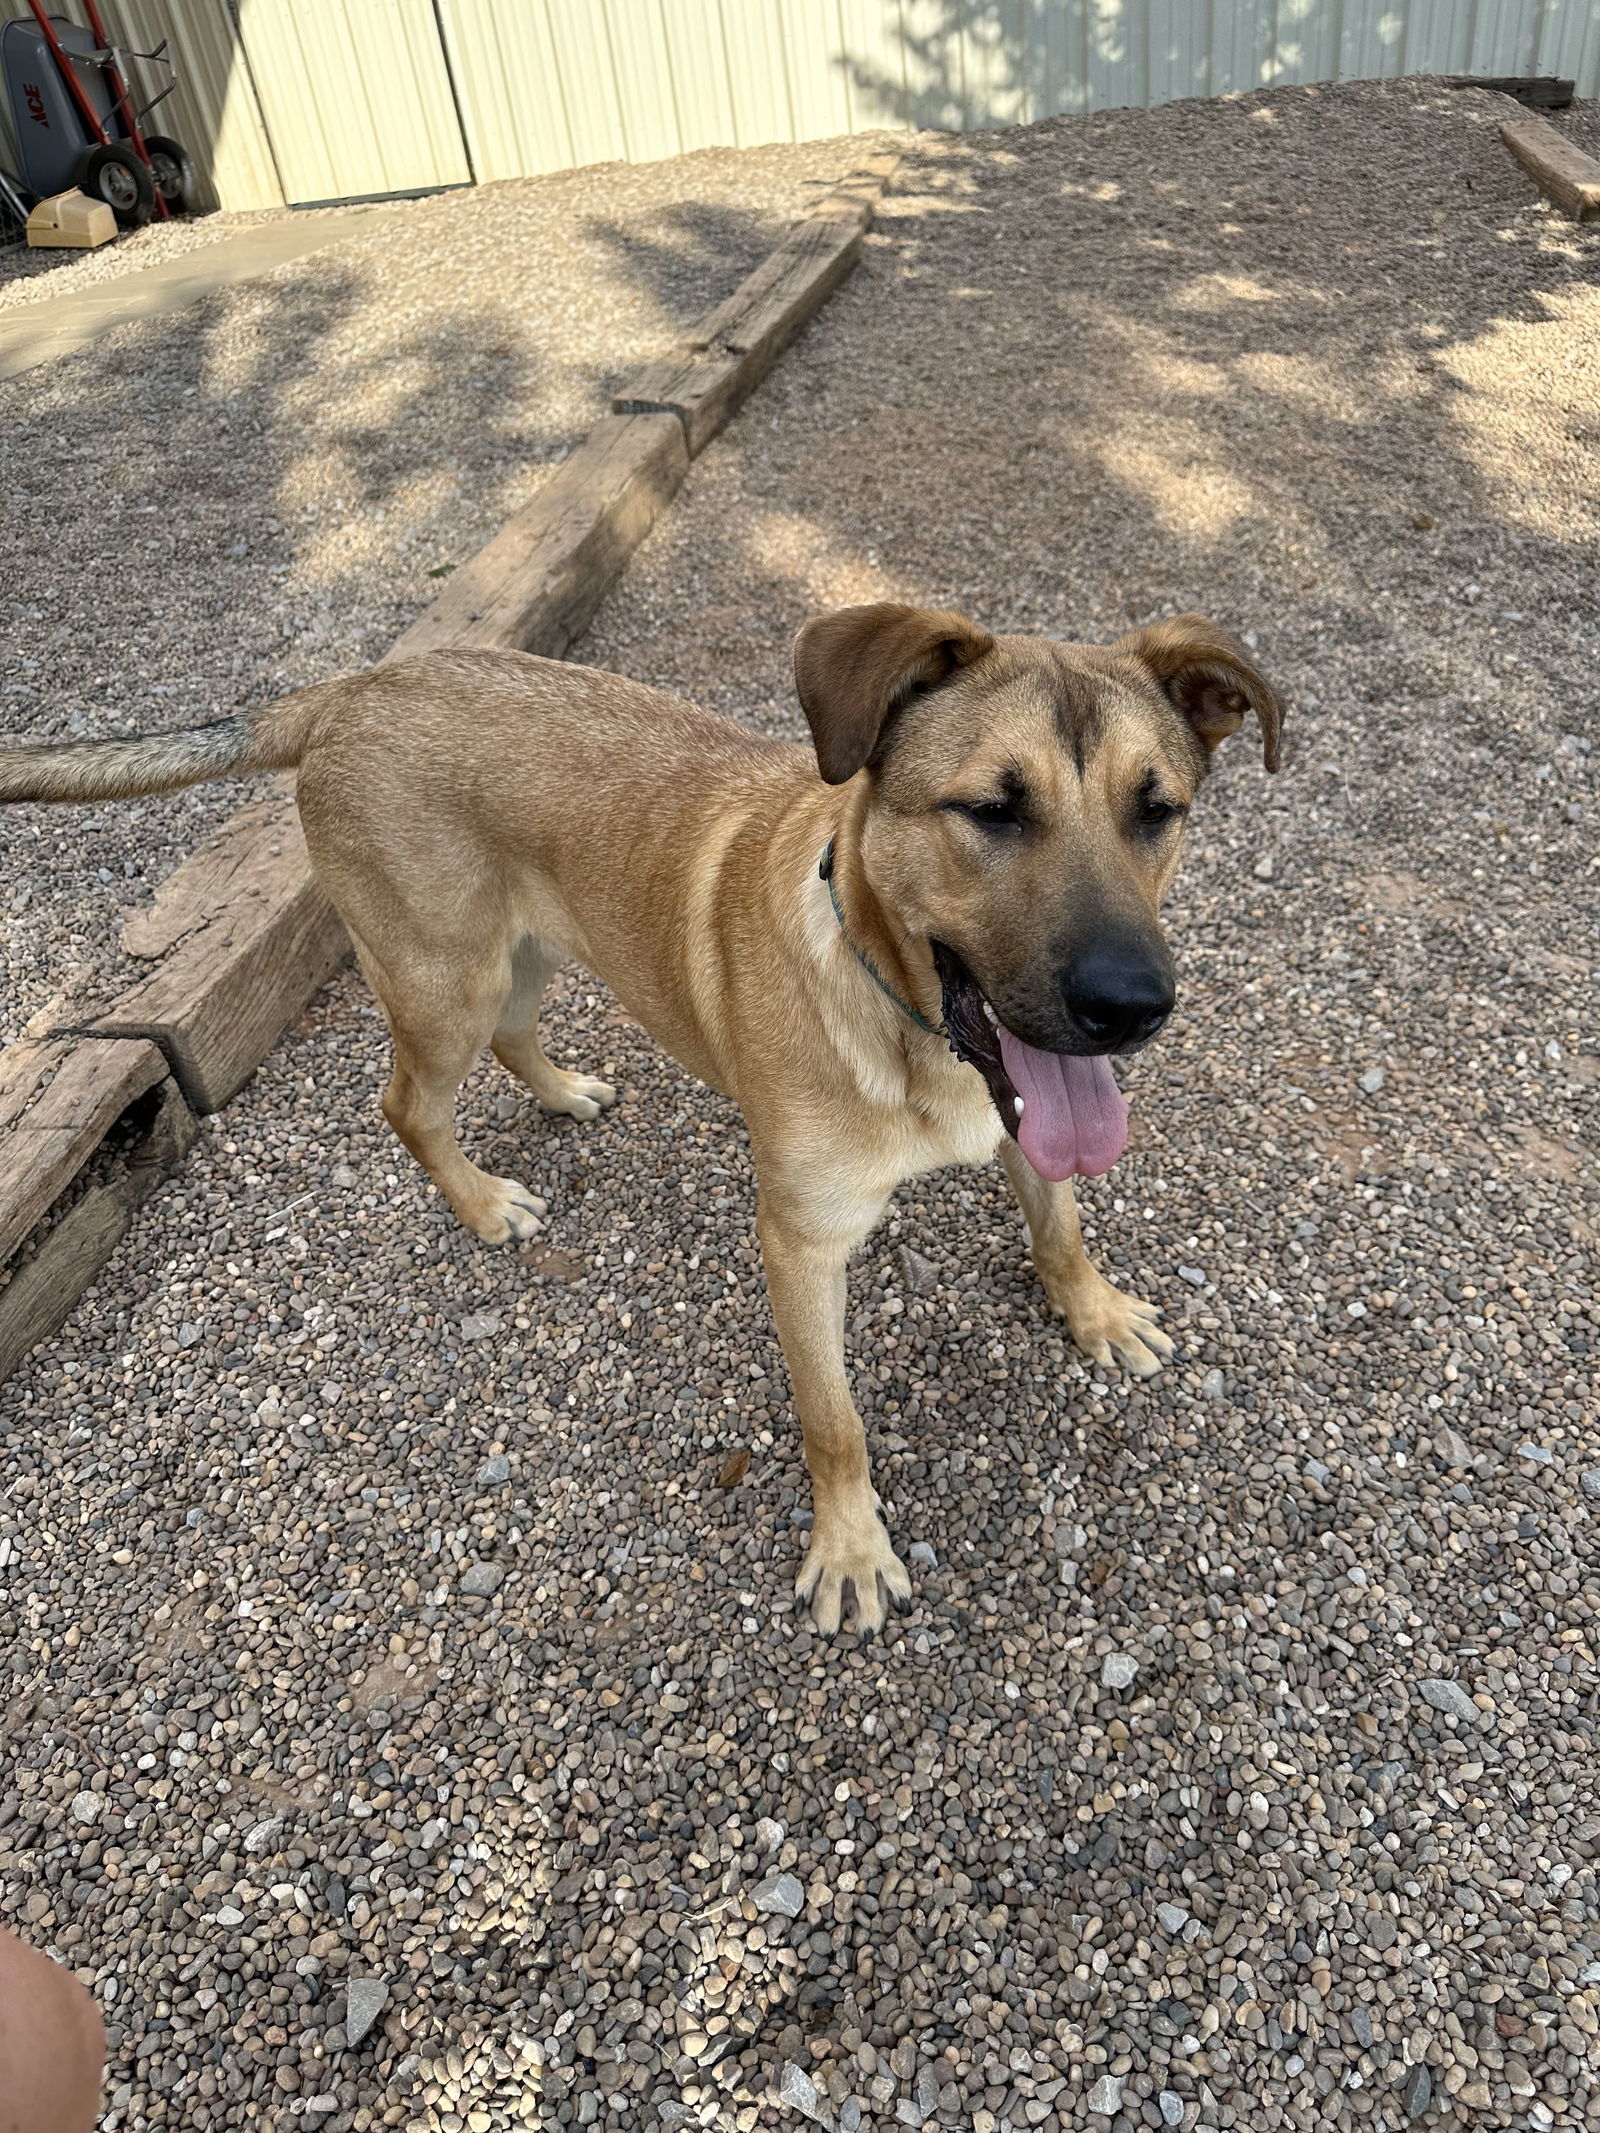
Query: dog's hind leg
1102	1321
441	1014
516	1045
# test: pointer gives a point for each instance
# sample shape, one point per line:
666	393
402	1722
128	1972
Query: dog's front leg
1102	1321
849	1558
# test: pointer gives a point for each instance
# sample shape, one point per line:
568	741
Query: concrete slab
60	325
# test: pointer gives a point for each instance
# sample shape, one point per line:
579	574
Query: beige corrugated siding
356	96
214	111
346	97
510	133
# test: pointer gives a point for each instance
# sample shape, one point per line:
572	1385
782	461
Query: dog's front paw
578	1096
850	1571
1109	1326
507	1213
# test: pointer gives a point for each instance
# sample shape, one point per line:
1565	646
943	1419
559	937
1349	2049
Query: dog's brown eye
1151	813
1000	816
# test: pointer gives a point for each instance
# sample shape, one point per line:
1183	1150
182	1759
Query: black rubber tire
115	175
173	169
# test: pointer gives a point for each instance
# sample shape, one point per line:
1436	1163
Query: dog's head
1028	805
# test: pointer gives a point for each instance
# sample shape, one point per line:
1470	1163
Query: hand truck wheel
172	168
114	173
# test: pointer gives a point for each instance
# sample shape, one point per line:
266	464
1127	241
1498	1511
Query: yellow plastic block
71	218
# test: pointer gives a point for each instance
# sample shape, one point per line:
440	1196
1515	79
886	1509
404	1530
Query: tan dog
924	957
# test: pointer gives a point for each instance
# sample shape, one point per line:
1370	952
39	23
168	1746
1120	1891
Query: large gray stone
1450	1698
365	1999
781	1893
797	2089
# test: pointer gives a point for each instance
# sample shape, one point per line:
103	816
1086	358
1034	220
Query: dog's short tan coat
480	817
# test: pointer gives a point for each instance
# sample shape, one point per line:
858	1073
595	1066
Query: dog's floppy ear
856	668
1209	679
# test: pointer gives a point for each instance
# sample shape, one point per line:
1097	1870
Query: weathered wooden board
69	1248
37	1299
1556	166
726	356
24	1068
1540	92
798	278
535	586
791	284
75	1093
703	388
251	937
870	180
215	872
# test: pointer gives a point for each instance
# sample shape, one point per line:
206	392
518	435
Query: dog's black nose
1118	997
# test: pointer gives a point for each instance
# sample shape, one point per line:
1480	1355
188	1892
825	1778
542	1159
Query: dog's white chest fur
951	1117
941	1110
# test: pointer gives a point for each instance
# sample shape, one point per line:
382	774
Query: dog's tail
273	738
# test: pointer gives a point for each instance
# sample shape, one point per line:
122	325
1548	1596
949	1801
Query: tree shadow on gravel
226	433
1161	437
253	518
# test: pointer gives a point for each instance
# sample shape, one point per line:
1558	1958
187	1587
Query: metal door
356	96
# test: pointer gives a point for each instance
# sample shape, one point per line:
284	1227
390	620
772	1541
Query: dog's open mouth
1065	1111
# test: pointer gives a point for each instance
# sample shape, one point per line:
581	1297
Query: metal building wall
355	94
547	84
326	99
214	113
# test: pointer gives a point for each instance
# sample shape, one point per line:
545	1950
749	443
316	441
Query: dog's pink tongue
1074	1121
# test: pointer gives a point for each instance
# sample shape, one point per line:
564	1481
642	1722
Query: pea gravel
1235	1768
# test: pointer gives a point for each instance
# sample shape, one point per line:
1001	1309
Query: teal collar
825	870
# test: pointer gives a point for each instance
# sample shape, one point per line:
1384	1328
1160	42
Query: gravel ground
212	507
390	1613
